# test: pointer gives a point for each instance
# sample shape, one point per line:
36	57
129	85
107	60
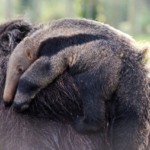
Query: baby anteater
91	52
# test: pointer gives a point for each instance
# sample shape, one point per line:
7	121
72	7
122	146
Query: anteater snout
7	98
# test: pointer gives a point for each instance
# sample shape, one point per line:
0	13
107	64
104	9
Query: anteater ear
28	47
29	54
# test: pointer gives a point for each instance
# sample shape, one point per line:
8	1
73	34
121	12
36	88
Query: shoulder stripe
53	45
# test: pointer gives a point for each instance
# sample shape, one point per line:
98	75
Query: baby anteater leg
96	85
92	85
41	73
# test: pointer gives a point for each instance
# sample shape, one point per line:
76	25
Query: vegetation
131	16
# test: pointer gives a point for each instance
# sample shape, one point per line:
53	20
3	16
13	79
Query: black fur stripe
53	45
26	86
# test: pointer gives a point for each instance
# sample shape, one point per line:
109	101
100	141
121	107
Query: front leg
96	86
41	73
94	92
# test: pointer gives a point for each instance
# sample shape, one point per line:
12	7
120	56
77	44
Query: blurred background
130	16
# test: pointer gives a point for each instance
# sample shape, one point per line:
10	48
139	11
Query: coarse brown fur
34	130
120	61
28	50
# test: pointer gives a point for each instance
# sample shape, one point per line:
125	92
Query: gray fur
120	78
33	130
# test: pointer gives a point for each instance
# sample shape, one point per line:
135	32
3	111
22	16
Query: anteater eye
20	69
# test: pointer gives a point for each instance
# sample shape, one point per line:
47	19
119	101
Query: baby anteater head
21	58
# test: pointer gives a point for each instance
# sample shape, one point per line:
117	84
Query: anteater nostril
7	103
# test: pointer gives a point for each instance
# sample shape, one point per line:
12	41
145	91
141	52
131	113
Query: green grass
142	38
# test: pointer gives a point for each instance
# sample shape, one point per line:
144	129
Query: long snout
10	90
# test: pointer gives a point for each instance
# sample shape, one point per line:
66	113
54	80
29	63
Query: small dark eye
20	69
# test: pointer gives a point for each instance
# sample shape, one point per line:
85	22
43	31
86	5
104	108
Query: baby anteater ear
29	54
29	46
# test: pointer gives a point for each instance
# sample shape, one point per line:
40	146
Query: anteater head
21	58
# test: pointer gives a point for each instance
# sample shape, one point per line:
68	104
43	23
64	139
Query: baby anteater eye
20	69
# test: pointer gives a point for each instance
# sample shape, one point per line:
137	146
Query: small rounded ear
28	49
29	54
